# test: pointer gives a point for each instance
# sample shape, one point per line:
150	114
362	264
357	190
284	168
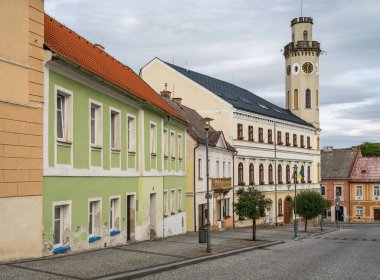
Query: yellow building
21	117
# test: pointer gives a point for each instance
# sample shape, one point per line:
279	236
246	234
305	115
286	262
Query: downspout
275	173
233	188
195	196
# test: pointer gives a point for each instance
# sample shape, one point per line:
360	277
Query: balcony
221	184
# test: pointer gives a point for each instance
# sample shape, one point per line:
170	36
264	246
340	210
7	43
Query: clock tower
302	71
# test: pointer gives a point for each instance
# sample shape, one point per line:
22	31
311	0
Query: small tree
370	149
251	204
310	204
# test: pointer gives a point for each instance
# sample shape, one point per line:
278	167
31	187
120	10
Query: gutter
195	197
233	188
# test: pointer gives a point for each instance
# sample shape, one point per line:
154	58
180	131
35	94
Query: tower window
293	39
305	35
295	97
288	100
308	98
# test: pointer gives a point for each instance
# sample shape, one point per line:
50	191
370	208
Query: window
287	139
200	168
308	142
376	190
288	100
293	38
166	203
96	126
359	211
359	190
308	175
166	140
172	145
115	130
179	199
261	136
229	170
61	224
94	216
251	174
338	191
240	174
115	214
279	140
303	174
224	169
250	133
63	116
308	99
217	169
270	140
218	210
261	174
226	212
179	146
295	140
153	139
287	174
318	147
323	190
280	207
279	174
295	101
131	134
240	131
270	174
302	141
173	201
305	35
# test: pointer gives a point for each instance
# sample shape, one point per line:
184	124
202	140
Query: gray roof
337	164
239	97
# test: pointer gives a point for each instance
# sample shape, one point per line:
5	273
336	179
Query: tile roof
239	97
71	46
366	169
337	164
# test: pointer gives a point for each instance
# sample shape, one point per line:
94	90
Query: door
341	214
202	215
376	214
152	216
130	217
288	211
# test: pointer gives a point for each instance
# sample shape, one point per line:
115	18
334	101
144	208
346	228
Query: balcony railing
221	184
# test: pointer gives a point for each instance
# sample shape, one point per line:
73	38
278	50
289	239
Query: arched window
279	174
305	35
280	207
303	172
240	174
287	174
295	101
308	98
261	174
308	174
251	174
270	174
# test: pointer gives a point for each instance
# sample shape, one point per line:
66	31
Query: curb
174	265
315	234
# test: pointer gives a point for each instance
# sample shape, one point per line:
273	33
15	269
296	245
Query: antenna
301	8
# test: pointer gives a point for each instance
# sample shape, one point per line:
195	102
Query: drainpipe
349	201
195	196
275	172
233	188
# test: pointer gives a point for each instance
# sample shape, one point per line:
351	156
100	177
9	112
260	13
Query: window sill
309	147
96	148
131	153
179	210
172	213
172	158
114	232
270	142
166	157
200	179
240	138
61	250
154	155
64	143
166	215
241	184
280	215
93	239
288	144
116	151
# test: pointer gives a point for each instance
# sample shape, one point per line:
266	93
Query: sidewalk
143	258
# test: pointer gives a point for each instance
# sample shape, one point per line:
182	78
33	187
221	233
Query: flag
301	175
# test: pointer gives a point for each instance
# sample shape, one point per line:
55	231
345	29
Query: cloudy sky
241	41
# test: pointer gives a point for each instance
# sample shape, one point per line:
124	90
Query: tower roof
301	20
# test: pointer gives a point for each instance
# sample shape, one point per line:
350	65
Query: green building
114	150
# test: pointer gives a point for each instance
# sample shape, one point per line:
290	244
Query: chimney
165	92
99	46
328	149
177	100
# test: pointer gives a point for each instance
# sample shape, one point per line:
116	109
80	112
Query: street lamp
295	202
206	122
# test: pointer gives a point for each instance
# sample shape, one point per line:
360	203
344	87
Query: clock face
288	69
295	68
307	67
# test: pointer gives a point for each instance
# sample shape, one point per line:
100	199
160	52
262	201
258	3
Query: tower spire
301	8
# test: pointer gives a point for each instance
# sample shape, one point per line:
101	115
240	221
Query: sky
241	41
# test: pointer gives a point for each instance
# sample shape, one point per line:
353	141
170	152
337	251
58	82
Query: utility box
202	235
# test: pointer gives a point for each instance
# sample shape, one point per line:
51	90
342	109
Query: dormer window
305	35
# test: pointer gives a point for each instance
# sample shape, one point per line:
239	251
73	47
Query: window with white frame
359	190
63	115
224	169
200	175
94	218
218	210
172	145
96	125
61	222
338	190
180	199
227	208
115	130
173	201
376	190
359	211
217	169
179	146
323	190
166	141
229	170
131	134
114	214
166	203
153	139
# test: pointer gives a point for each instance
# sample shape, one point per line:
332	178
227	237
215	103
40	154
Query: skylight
263	106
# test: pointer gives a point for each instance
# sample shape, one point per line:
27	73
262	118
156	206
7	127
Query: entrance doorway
131	214
376	214
152	216
340	213
202	215
288	210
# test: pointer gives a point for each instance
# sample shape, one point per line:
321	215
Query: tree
251	204
310	204
370	149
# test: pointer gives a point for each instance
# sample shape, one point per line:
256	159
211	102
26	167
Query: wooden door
376	214
288	211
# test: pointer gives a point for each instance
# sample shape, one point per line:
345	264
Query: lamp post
208	194
295	202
